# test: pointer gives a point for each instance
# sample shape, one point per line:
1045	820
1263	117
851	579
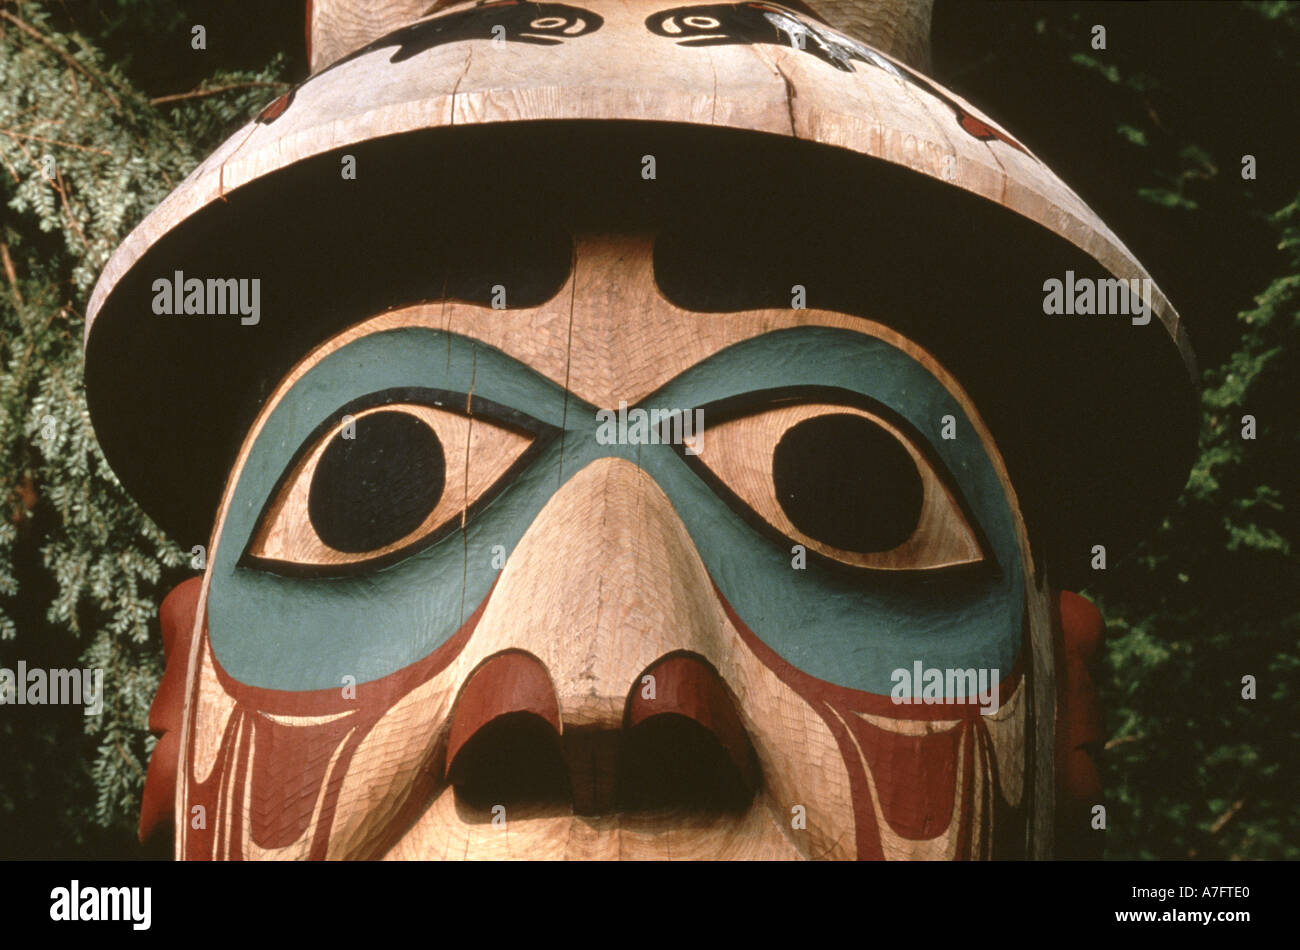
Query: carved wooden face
469	597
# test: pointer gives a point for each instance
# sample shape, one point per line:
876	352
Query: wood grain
337	27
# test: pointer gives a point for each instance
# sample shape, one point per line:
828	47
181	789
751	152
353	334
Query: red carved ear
177	615
1079	738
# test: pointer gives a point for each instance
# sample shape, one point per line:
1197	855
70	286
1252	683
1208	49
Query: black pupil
378	487
846	482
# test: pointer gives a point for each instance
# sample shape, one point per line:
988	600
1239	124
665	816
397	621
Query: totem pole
632	430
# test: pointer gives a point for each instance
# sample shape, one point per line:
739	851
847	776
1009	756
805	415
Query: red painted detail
901	766
160	786
234	793
1082	633
176	618
1082	623
290	766
309	24
509	682
686	685
1082	778
276	108
867	834
916	776
201	842
984	131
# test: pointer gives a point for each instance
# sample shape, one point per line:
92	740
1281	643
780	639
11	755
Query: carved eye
844	482
380	483
695	26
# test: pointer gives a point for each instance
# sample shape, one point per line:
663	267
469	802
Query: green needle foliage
1152	132
84	155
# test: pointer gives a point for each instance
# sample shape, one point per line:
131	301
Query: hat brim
473	162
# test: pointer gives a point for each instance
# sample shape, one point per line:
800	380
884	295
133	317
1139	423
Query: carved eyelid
945	536
483	444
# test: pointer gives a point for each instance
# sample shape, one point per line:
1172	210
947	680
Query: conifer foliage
84	155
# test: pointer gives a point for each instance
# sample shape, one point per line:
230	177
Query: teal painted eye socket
272	626
386	476
840	475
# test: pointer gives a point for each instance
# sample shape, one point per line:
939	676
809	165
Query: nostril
515	761
509	682
504	743
671	763
686	685
685	746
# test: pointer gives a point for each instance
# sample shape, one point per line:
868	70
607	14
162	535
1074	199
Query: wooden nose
680	747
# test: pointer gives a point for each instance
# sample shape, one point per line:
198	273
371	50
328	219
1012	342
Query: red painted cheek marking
291	763
201	841
916	776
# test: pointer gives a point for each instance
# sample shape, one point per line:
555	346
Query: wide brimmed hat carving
765	149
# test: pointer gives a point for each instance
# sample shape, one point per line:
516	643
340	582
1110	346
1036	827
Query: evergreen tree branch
64	54
200	93
45	141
